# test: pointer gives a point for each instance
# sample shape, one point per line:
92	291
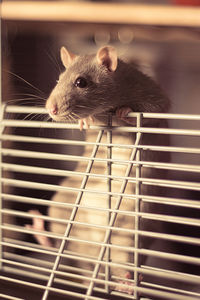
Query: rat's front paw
122	113
86	122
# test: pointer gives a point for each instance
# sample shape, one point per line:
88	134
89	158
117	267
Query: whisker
71	116
76	115
28	100
28	83
30	95
44	118
47	118
39	117
29	115
54	61
73	119
81	106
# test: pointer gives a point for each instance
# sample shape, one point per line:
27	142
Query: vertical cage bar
72	217
113	217
137	210
109	188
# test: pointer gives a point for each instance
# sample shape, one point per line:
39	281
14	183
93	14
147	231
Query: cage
53	270
95	238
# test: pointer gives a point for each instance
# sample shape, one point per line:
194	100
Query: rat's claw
122	113
86	122
80	122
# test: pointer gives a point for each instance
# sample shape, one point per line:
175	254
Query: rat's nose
53	110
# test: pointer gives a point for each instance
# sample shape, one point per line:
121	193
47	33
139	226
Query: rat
90	88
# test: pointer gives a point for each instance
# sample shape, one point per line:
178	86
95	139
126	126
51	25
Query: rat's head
86	87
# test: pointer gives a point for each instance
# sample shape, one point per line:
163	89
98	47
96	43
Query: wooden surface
101	13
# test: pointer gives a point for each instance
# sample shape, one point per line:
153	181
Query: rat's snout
52	109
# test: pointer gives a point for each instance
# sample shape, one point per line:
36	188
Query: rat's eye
80	82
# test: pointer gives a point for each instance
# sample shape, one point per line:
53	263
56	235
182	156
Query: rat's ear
107	56
66	57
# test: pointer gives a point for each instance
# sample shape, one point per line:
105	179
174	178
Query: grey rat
90	86
93	84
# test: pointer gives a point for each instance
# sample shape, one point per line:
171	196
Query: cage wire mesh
82	243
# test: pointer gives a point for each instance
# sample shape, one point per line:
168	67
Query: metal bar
1	130
137	211
44	155
25	109
39	110
58	172
154	182
37	124
1	170
169	289
4	296
10	137
112	220
191	117
104	13
162	200
109	189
